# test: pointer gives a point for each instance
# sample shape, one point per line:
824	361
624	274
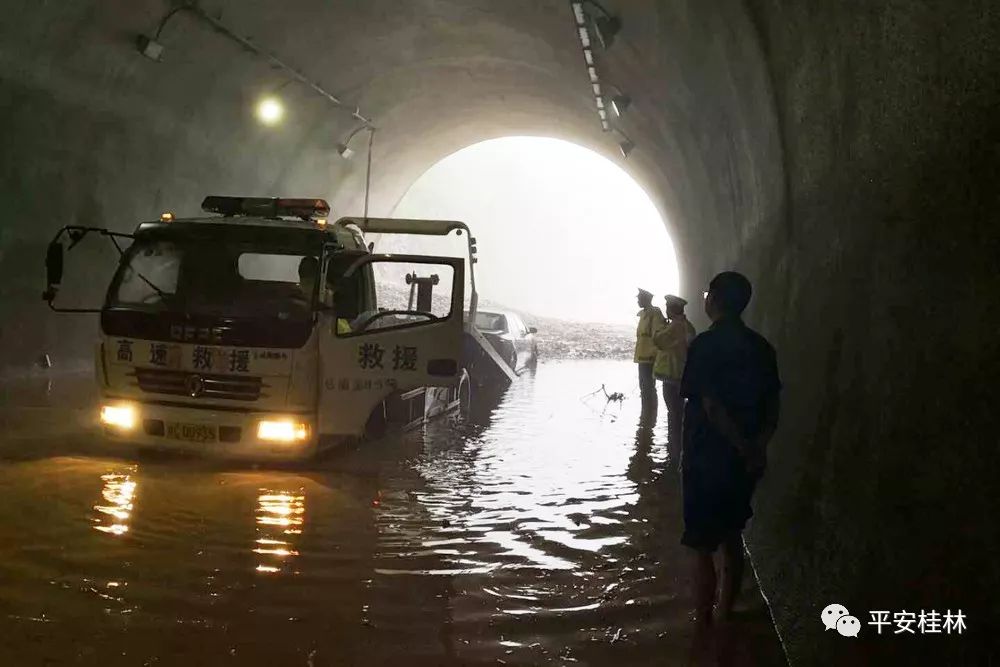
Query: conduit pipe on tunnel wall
195	9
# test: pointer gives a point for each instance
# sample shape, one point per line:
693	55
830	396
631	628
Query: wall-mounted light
605	26
270	110
625	145
344	149
619	103
149	47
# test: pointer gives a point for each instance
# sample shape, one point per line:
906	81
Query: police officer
650	321
672	342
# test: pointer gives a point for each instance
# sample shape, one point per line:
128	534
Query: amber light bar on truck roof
267	207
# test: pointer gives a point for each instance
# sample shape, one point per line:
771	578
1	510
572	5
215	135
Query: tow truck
264	331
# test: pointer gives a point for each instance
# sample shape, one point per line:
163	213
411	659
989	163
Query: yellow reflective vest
342	326
672	340
650	321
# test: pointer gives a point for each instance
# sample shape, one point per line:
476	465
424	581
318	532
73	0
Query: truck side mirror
53	269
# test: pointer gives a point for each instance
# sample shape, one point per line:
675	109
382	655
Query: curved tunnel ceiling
843	157
435	76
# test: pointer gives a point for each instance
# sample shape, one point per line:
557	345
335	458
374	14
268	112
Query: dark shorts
717	493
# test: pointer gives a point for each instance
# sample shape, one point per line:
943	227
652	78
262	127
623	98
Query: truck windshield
218	278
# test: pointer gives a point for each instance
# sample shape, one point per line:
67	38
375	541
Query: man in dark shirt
731	385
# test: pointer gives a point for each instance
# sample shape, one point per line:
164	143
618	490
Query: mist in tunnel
561	231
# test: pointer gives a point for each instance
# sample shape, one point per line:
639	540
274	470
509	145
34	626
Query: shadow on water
541	529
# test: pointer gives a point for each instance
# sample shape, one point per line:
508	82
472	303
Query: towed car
513	340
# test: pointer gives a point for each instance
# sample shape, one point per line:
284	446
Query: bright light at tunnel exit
270	110
562	231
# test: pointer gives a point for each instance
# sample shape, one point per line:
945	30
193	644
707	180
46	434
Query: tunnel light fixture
619	103
270	111
344	148
346	152
150	48
626	147
606	28
625	144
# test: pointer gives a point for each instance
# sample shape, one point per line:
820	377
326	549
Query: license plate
192	432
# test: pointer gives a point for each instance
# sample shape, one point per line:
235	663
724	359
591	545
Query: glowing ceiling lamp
270	111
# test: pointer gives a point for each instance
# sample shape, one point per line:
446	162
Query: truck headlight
121	416
282	430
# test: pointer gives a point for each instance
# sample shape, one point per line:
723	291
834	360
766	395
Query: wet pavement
542	529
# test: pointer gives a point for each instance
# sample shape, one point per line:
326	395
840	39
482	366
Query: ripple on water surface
542	529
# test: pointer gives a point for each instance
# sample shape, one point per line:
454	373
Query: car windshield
218	277
491	322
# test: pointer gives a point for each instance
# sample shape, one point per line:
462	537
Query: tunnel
843	156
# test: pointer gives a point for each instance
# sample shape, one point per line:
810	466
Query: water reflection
117	495
279	516
543	530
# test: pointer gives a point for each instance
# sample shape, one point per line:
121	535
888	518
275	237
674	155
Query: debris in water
615	397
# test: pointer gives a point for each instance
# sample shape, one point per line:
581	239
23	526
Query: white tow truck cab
266	332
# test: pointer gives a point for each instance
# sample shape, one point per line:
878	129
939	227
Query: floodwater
542	529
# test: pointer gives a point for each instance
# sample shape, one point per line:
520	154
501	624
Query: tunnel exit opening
562	231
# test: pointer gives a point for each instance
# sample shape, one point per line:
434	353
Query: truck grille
179	383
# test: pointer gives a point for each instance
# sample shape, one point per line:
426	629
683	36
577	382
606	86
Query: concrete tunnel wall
844	157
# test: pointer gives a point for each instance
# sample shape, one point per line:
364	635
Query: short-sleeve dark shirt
735	366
